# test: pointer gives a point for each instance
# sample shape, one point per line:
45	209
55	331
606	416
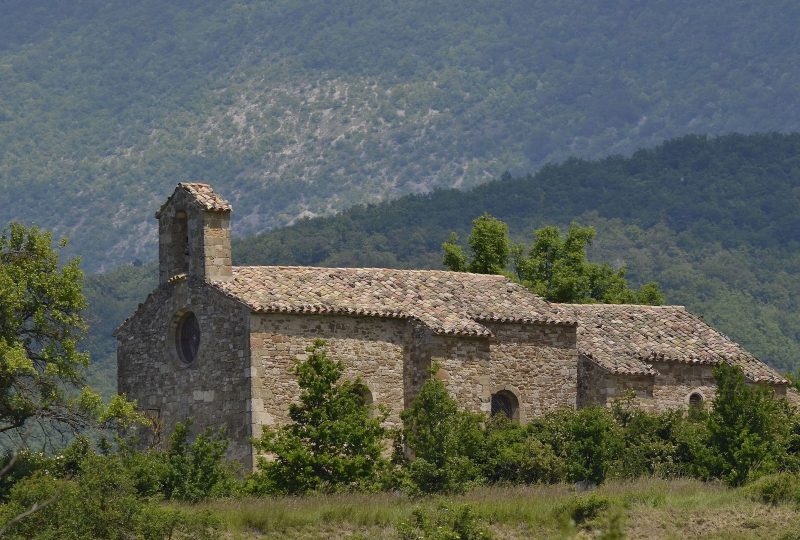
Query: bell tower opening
180	242
194	229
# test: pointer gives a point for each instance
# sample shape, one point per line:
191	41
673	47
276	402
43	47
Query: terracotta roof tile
447	302
627	338
203	195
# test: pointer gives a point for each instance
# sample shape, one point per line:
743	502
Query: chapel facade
215	342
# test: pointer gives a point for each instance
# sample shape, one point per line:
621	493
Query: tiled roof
447	302
203	195
627	338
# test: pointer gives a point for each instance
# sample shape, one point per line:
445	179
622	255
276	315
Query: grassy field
646	508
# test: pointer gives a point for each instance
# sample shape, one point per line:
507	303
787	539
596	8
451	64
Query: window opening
187	338
695	399
180	239
505	402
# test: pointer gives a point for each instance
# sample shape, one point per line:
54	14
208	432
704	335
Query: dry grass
649	508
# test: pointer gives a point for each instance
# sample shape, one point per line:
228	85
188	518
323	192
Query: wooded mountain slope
303	107
713	220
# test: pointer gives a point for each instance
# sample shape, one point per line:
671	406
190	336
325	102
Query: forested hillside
714	220
296	108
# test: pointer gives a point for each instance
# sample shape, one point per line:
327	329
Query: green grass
646	508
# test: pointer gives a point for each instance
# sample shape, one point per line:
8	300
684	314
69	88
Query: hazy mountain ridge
296	109
713	220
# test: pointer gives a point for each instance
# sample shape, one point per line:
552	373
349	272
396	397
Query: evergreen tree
334	440
748	428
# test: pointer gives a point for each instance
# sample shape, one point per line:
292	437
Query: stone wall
375	349
670	388
193	241
598	386
214	390
676	381
536	362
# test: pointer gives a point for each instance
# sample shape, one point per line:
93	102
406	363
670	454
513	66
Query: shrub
334	441
748	428
444	523
442	441
26	463
582	509
657	444
588	440
775	488
99	502
512	454
196	470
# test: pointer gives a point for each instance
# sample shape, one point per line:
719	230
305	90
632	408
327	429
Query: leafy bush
101	501
443	443
667	444
748	428
195	470
514	455
583	508
588	440
333	442
776	488
444	523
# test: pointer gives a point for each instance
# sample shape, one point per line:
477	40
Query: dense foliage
295	108
333	443
555	268
746	434
84	494
42	388
712	220
334	439
439	443
40	325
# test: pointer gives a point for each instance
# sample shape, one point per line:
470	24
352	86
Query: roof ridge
201	195
497	277
638	306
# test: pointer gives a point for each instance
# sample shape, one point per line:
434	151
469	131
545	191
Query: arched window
505	402
180	243
695	400
187	337
366	396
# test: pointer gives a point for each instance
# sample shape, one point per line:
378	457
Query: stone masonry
216	342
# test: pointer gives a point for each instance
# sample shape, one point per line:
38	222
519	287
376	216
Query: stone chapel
215	342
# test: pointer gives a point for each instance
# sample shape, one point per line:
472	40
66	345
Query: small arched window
187	337
364	393
695	400
505	402
180	242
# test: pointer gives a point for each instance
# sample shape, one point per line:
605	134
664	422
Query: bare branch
9	465
32	510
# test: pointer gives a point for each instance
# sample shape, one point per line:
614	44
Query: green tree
748	428
554	267
99	499
40	326
489	245
588	440
41	323
442	441
334	440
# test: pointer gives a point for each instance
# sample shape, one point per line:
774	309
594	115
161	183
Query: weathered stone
486	335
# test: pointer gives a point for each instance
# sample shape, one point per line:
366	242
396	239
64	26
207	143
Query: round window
187	337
